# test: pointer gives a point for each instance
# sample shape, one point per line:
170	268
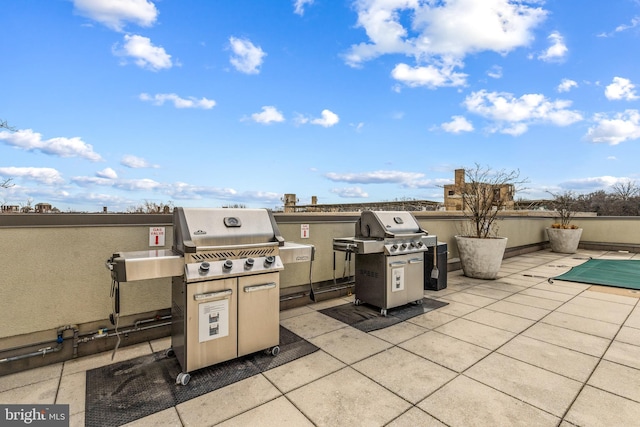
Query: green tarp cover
606	272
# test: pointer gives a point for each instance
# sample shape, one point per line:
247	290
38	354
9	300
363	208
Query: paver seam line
598	364
179	417
513	397
419	409
283	394
413	405
55	398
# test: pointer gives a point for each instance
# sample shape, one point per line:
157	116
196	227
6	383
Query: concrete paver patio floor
507	352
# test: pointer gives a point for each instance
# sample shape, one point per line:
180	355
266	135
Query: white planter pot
481	258
564	241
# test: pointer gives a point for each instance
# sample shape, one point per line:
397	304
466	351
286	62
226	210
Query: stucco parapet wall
79	220
99	219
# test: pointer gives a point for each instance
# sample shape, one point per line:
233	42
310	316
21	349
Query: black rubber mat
368	318
126	391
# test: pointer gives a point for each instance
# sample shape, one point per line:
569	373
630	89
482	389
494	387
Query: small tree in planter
485	193
564	237
564	205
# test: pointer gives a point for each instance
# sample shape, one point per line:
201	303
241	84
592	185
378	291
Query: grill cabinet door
258	312
405	279
211	323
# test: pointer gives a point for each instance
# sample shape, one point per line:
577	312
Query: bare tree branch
565	206
6	183
486	192
626	190
5	125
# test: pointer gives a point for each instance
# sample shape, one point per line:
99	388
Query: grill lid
387	224
196	229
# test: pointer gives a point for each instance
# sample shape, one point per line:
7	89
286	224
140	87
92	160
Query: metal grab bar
211	295
263	287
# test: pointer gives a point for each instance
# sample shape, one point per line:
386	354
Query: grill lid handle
232	221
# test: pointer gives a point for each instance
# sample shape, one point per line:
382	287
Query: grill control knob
269	260
249	263
394	247
420	244
227	264
404	246
204	267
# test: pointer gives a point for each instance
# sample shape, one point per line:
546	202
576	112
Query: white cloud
258	196
138	184
457	124
566	85
514	129
328	119
357	126
513	115
135	162
247	58
430	76
178	102
376	177
556	51
144	53
268	115
621	88
47	176
107	173
495	72
621	127
91	180
437	33
593	183
115	13
350	192
299	5
624	27
29	140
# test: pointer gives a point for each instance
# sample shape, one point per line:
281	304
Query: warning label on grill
213	320
397	279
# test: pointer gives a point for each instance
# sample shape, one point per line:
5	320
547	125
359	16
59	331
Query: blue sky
211	103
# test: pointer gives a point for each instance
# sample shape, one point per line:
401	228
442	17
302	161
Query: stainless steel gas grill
226	298
389	252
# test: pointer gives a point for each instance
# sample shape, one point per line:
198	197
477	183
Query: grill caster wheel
183	378
170	353
357	302
273	351
383	312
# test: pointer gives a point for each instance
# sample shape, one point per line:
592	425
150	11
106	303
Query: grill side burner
389	252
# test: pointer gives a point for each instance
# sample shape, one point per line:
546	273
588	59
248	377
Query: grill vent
232	254
255	252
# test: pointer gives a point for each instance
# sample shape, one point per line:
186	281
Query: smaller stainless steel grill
389	252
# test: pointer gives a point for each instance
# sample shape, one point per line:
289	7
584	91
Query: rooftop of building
513	351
